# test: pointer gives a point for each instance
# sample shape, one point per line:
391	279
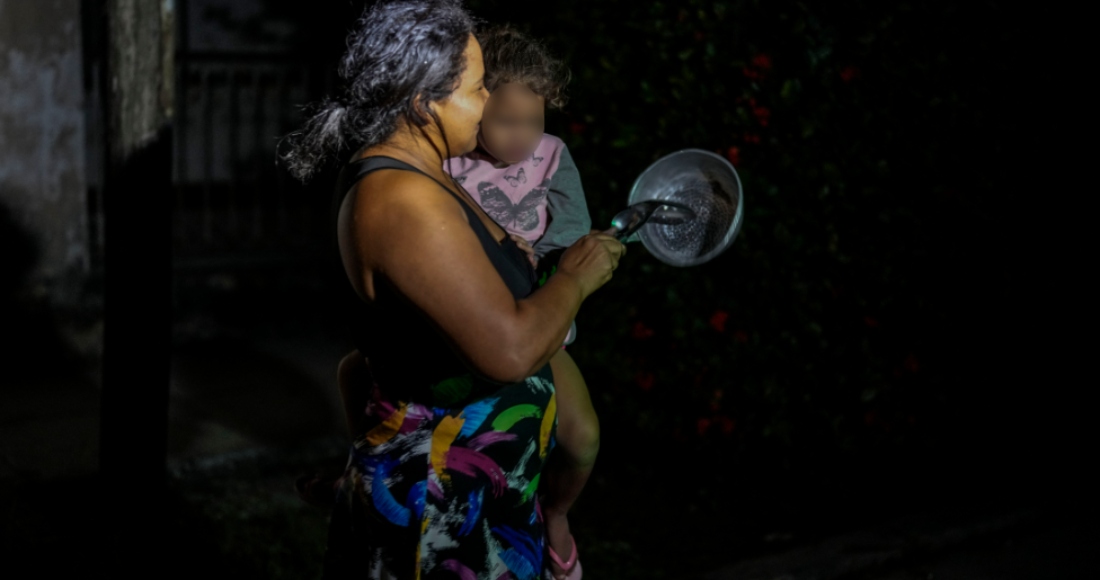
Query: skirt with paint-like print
444	490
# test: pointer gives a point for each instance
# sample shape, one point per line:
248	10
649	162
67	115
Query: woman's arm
404	227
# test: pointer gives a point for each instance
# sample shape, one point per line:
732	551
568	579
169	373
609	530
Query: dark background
899	327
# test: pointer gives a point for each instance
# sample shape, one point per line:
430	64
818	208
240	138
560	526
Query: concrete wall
42	139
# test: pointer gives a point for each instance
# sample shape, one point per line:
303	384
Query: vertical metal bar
179	173
314	217
184	90
329	80
232	227
258	131
307	207
207	154
99	217
280	185
183	38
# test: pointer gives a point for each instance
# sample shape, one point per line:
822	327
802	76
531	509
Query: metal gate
234	205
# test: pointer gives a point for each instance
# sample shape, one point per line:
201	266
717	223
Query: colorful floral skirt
446	491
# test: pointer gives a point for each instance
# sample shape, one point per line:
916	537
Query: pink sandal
572	566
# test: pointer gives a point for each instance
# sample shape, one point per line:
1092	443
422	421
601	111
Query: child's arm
567	208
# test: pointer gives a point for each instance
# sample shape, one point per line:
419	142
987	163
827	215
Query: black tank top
407	352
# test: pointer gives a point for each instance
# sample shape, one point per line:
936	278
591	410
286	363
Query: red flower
703	424
740	336
718	320
757	65
762	114
699	36
849	73
716	402
645	380
577	127
641	331
911	363
870	322
762	61
874	419
752	138
734	155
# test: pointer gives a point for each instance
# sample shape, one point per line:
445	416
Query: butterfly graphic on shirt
536	160
523	214
515	180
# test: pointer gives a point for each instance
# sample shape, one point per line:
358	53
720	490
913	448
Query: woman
452	432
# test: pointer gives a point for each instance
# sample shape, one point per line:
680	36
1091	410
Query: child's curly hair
513	57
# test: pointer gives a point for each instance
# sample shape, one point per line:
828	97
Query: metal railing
232	201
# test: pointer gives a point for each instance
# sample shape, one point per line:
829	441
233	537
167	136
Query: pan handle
631	219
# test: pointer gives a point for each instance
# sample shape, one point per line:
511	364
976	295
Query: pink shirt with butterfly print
522	197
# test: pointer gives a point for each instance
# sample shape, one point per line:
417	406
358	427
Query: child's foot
564	564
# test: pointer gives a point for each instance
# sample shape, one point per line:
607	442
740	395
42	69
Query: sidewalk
235	396
1021	544
250	410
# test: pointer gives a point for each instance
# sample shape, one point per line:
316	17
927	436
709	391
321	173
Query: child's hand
526	247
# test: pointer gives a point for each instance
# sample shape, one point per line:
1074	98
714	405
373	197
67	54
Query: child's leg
353	378
572	461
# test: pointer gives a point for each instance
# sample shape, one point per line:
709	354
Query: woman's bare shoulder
388	197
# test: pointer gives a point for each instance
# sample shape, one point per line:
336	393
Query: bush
857	312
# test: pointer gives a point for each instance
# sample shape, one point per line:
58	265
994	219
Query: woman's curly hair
513	57
399	50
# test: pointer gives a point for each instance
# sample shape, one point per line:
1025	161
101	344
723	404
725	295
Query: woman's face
460	113
513	123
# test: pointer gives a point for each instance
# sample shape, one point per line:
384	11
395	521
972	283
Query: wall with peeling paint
42	139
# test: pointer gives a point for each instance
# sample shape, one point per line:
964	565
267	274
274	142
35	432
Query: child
526	181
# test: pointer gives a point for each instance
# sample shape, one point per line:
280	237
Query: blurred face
460	113
513	123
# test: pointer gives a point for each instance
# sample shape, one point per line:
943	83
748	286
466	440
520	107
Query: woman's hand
592	259
526	247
